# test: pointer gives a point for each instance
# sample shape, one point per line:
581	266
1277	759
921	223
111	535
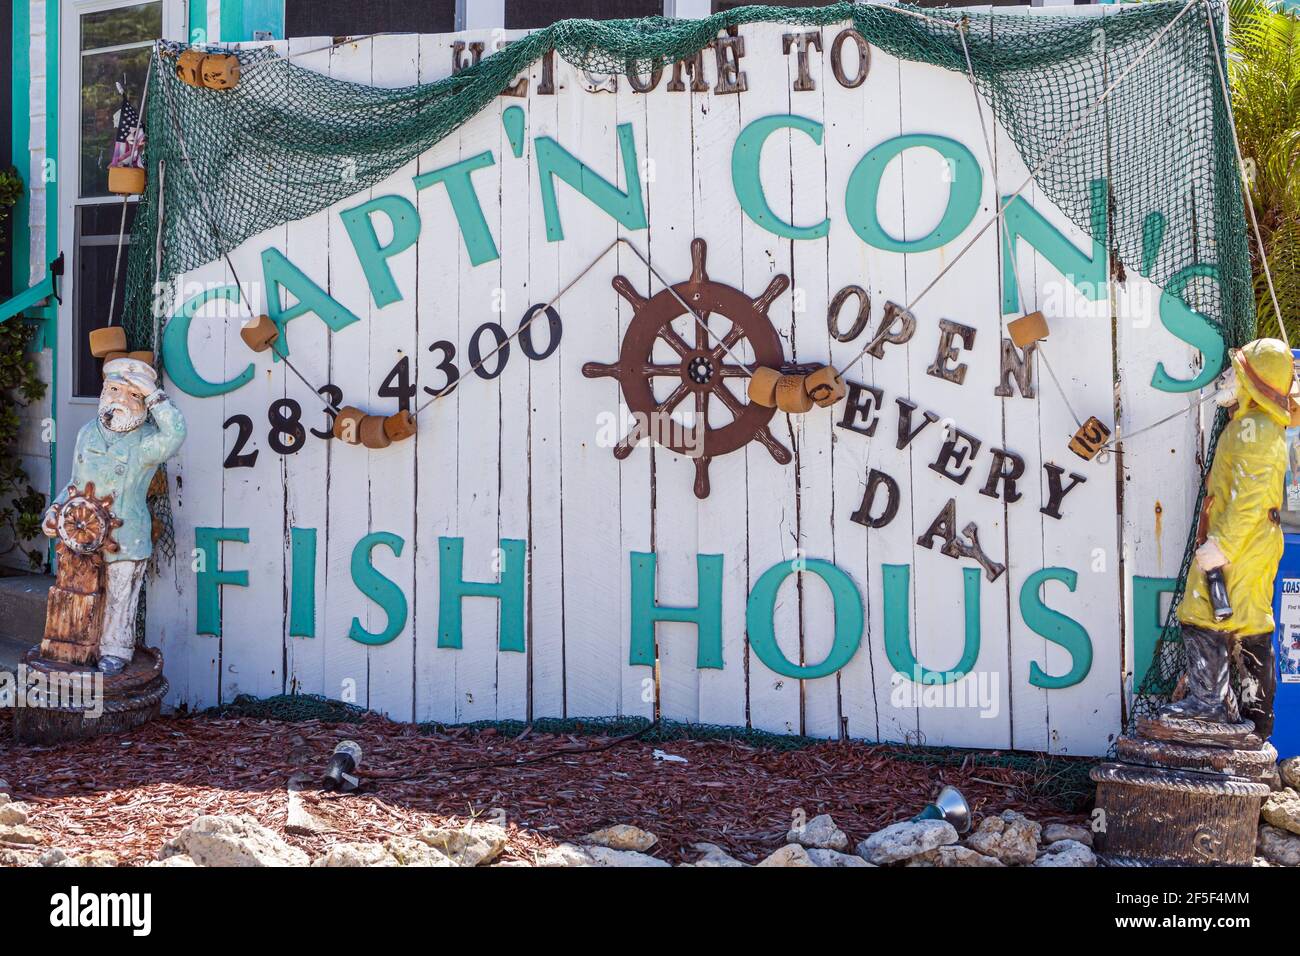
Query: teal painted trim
302	595
845	599
20	133
380	589
706	615
240	19
509	590
1056	627
198	27
207	542
232	21
52	73
28	298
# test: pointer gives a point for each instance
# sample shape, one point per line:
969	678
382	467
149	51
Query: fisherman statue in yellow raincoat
1227	605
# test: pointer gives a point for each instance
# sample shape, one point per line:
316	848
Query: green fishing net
270	151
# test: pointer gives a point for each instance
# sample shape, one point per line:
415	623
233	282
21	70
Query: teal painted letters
176	348
464	203
706	615
405	220
847	602
378	588
553	161
1148	624
302	593
452	587
745	179
897	584
207	541
1055	627
863	192
1191	327
279	273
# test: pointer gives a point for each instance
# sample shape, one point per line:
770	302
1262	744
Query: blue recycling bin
1286	612
1286	605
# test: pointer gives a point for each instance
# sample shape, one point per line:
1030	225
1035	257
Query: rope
1045	161
523	326
1002	224
121	229
212	224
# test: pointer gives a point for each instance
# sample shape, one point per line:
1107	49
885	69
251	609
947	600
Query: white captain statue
135	430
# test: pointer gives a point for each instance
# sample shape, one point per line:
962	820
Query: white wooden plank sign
592	519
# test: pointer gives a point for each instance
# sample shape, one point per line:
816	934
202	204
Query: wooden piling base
128	700
1187	793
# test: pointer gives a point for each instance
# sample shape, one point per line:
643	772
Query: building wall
34	125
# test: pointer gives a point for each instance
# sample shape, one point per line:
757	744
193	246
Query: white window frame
72	411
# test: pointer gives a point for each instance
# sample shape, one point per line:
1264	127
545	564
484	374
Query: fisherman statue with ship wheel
102	514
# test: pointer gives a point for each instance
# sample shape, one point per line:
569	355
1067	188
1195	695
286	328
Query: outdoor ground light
343	764
951	806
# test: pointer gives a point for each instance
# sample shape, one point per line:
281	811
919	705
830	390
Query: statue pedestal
1184	793
127	700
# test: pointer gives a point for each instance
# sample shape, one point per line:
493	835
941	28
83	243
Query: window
97	226
338	18
108	44
114	46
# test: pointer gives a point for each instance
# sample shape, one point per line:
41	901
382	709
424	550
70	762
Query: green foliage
1264	70
21	505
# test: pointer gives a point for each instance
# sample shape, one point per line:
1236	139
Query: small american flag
128	147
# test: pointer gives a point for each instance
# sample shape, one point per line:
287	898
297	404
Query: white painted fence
521	456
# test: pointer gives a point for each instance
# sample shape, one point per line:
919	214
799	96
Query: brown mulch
130	793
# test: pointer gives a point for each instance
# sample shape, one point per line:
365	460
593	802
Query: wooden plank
306	473
193	660
393	474
658	125
513	506
593	670
436	442
810	203
545	536
854	122
722	518
479	466
774	699
347	675
1022	433
966	296
676	538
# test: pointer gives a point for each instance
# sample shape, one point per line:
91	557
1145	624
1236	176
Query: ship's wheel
703	367
85	523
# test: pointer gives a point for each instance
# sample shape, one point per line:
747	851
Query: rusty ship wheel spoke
675	341
651	370
705	363
769	441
